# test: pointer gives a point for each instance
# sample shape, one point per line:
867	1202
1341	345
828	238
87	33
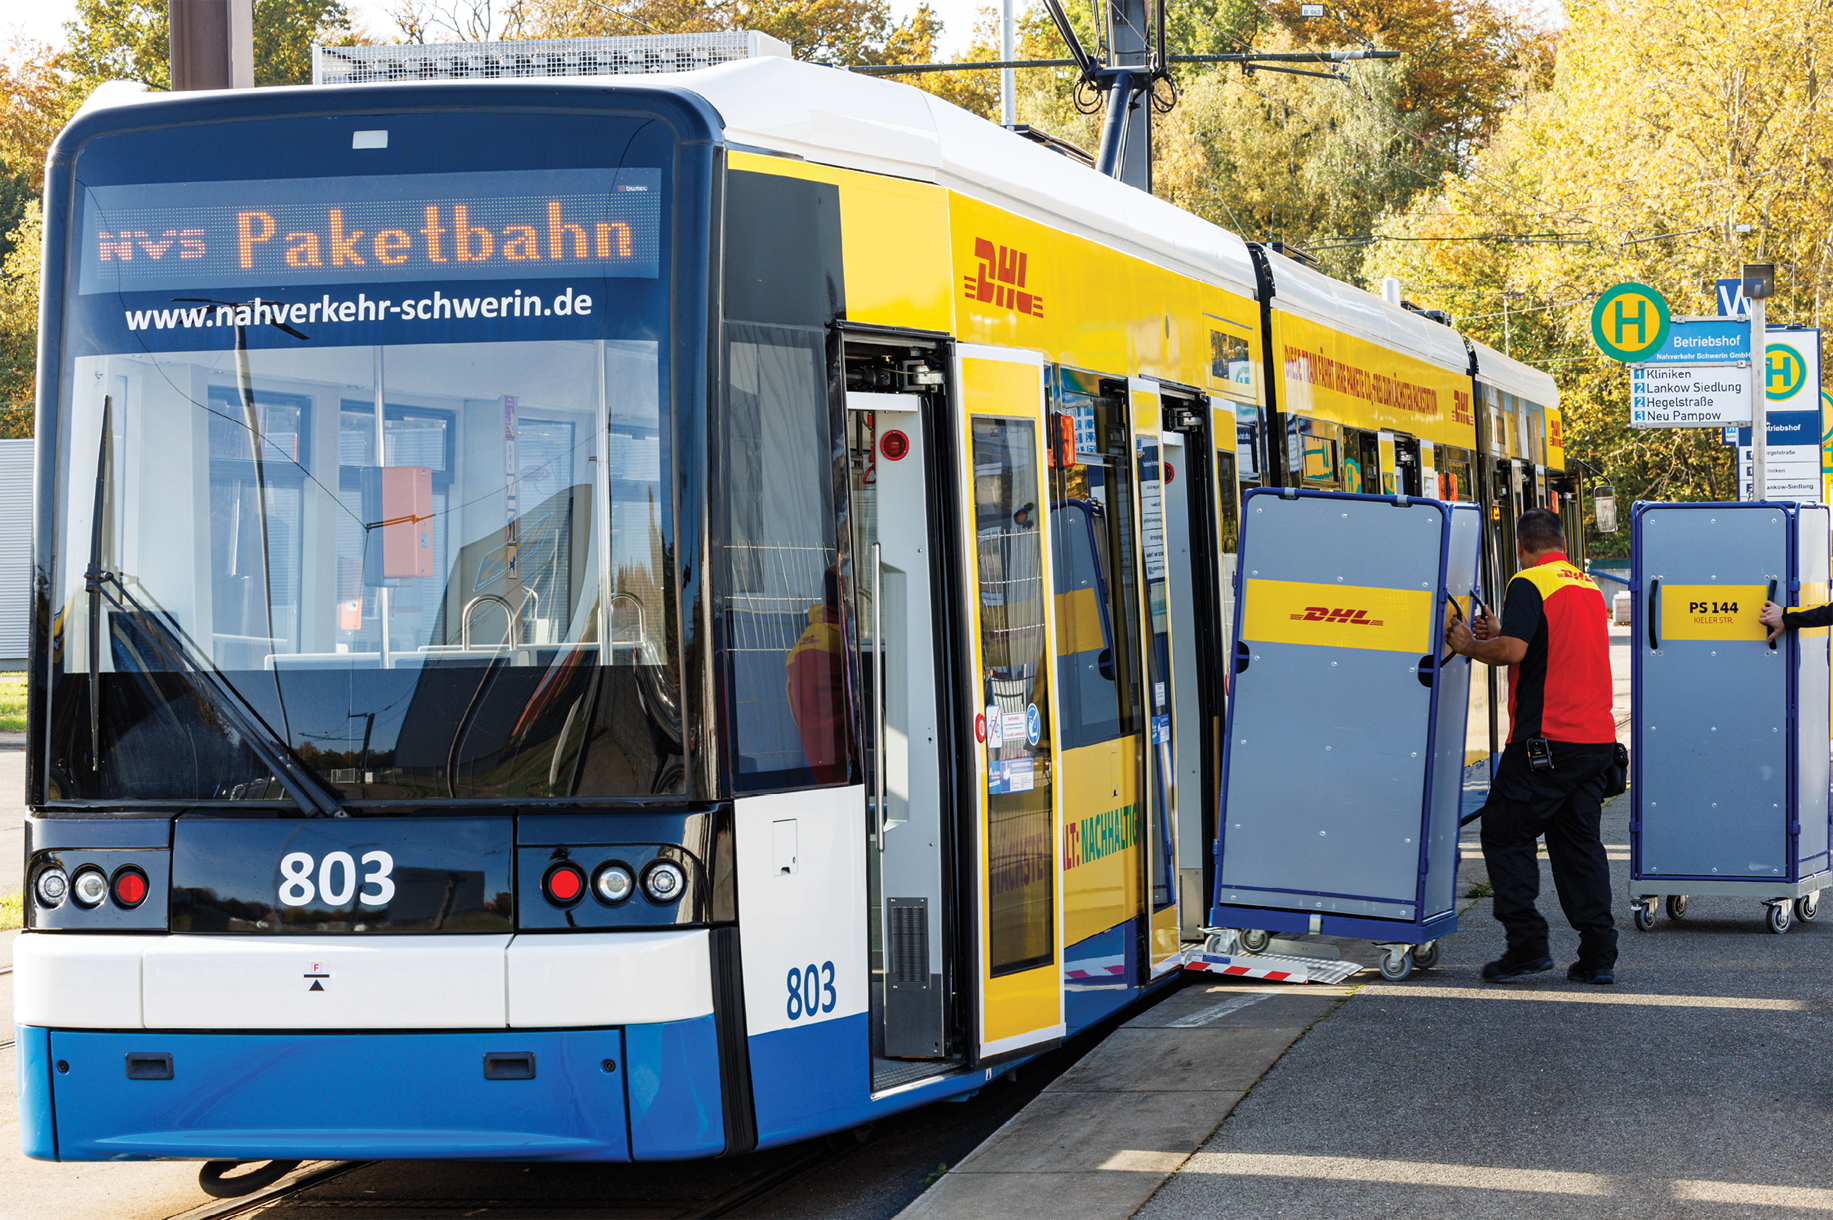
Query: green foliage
128	40
19	325
12	911
15	192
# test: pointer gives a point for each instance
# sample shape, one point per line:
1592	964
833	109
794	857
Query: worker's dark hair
1539	530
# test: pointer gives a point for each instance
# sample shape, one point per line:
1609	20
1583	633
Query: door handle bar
878	693
1654	615
1772	597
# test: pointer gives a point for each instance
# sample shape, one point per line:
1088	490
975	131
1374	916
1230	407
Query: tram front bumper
246	1077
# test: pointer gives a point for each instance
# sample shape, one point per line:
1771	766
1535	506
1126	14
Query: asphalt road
1696	1087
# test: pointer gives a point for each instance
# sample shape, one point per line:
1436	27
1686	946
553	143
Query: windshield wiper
299	780
306	789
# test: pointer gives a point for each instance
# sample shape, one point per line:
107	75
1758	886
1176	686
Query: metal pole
211	44
1008	79
1759	414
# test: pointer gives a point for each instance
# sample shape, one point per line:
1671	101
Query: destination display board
401	228
1689	396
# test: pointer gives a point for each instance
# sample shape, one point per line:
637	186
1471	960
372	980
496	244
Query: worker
1562	740
1779	620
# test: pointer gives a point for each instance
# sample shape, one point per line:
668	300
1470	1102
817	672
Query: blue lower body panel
258	1096
810	1079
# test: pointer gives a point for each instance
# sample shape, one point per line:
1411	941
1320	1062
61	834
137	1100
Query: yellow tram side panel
1347	380
893	242
1103	825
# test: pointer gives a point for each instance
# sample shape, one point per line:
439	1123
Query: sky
44	19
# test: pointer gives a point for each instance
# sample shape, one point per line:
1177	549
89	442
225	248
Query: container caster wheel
1396	964
1807	907
1677	906
1426	956
1255	940
1645	914
1779	917
213	1178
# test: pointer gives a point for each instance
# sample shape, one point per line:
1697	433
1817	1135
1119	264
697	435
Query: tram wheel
1645	915
1677	905
215	1181
1396	965
1426	956
1807	907
1780	915
1255	940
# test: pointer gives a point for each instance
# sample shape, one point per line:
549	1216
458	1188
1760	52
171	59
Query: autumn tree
1666	127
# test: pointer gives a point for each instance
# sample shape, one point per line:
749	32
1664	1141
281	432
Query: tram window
1315	451
367	668
1228	360
784	637
1361	461
1454	474
1015	675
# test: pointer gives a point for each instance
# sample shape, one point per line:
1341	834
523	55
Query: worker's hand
1482	626
1459	639
1771	617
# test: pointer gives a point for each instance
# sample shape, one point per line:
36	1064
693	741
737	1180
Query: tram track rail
287	1195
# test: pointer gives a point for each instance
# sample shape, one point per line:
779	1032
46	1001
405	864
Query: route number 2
337	879
811	990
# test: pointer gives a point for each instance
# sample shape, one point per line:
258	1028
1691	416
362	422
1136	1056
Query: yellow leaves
33	107
19	324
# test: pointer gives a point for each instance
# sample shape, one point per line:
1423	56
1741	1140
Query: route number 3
337	879
811	990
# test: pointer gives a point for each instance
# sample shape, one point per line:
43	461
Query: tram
591	618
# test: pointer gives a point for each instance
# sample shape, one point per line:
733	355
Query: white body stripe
375	982
609	978
810	916
89	982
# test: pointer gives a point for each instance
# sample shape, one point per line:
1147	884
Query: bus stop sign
1629	323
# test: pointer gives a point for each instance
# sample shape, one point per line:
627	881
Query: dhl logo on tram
1337	616
1347	616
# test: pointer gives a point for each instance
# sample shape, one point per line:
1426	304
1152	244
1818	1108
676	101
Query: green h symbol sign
1778	372
1619	320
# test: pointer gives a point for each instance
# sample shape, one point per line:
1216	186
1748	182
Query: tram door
893	401
1147	408
1009	647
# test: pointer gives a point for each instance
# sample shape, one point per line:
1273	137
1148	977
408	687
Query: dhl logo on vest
1336	616
1326	374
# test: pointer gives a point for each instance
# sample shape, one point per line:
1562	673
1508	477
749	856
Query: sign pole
1759	415
1759	286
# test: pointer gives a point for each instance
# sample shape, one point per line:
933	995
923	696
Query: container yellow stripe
1337	616
1712	612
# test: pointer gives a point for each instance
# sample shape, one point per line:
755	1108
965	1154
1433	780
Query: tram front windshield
384	457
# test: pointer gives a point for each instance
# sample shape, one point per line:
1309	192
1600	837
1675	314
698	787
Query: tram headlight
89	887
613	883
51	887
664	881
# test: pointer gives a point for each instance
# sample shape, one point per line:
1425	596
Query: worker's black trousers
1563	804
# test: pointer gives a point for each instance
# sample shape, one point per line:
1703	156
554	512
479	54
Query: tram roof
1507	373
862	122
1300	290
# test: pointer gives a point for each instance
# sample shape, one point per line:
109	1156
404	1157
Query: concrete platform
1103	1136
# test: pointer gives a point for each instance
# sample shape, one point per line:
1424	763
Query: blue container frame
1420	929
1791	586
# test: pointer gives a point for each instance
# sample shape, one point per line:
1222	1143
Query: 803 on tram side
638	621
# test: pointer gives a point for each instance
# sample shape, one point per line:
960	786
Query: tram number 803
337	879
811	990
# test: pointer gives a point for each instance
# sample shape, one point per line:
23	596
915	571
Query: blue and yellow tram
638	619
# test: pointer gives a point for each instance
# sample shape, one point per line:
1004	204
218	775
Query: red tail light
564	884
130	886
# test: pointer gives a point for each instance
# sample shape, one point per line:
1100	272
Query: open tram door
1157	590
1006	665
899	442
